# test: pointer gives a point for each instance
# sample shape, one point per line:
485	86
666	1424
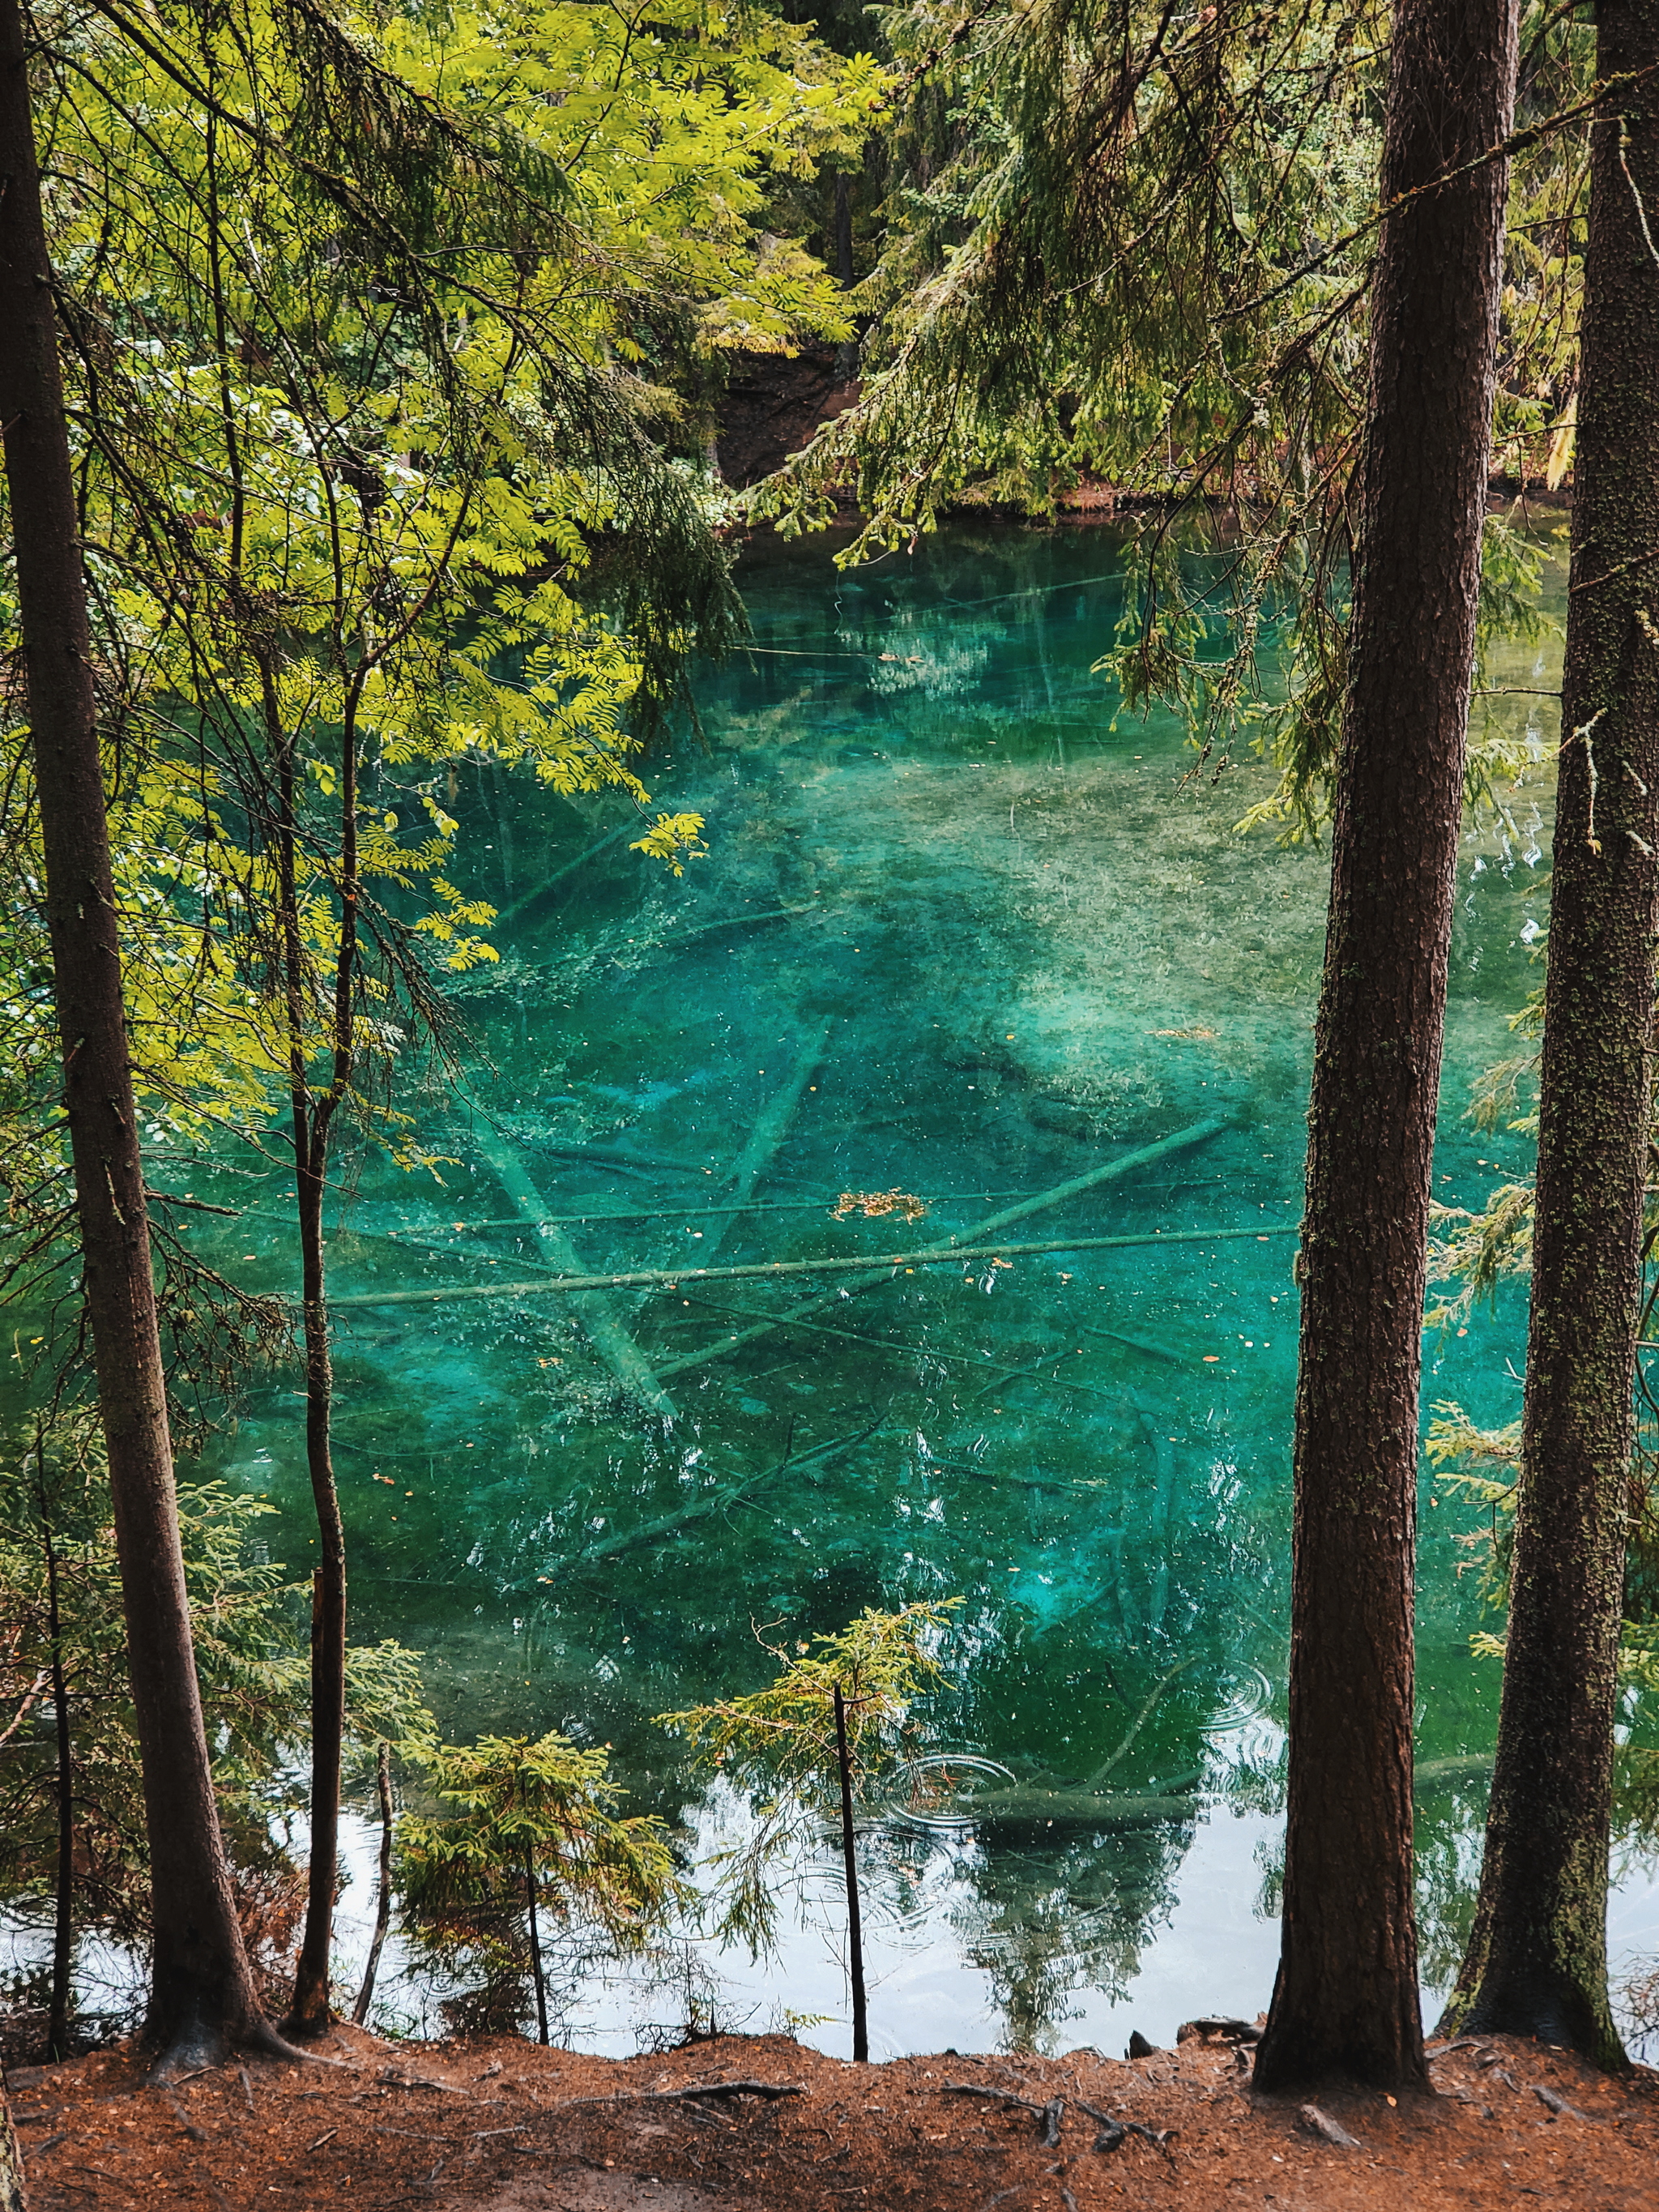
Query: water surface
960	941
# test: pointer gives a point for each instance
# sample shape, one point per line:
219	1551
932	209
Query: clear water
1003	944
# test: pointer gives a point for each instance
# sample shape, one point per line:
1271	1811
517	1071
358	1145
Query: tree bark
63	1943
201	1988
12	2196
849	1866
383	1898
1345	2004
309	2012
1536	1963
539	1973
313	1117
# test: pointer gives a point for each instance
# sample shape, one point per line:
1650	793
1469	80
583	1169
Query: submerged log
712	1501
532	898
1026	1806
1182	1140
1200	1132
635	1278
1464	1770
595	1311
619	1157
771	1127
1076	1808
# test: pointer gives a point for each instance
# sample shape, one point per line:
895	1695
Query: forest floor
497	2125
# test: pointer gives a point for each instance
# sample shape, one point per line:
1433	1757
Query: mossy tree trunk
1345	2000
1536	1963
201	1988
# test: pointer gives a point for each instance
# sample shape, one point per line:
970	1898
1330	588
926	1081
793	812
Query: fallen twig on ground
1049	2116
394	2080
1556	2105
1114	2133
1333	2131
1217	2027
690	2097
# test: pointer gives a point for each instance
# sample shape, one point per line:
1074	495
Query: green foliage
1481	1251
1136	246
1482	1248
378	330
248	1619
533	1828
1485	1465
779	1744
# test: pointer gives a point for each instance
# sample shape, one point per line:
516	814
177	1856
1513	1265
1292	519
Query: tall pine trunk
1345	2000
1536	1963
201	1989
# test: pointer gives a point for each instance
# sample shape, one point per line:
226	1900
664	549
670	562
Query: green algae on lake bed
957	939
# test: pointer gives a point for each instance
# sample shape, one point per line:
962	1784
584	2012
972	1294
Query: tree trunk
1536	1963
1345	2003
849	1865
309	2014
12	2198
844	274
313	1121
62	1941
201	1988
538	1973
383	1899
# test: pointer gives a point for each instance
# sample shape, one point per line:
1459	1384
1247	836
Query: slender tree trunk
1536	1963
844	273
1345	2000
12	2198
63	1943
539	1973
383	1900
309	2016
849	1866
201	1988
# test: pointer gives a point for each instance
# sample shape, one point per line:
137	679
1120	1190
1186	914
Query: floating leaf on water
872	1204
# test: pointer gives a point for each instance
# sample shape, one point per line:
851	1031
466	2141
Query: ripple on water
1247	1695
939	1791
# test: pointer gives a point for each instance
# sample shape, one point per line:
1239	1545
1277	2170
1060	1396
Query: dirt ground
501	2126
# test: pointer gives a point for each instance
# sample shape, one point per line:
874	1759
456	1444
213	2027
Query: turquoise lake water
955	938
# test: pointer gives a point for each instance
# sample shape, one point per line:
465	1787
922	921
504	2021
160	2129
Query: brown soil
772	404
497	2125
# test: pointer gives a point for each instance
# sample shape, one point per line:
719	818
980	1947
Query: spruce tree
1536	1963
1345	2000
201	1989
